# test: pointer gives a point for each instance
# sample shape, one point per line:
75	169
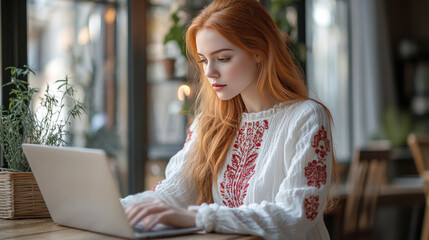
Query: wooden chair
368	172
425	228
419	146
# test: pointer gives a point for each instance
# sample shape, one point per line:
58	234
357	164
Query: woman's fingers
139	211
150	213
133	209
142	214
173	217
158	218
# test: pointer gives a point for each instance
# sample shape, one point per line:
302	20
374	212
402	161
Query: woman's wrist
193	214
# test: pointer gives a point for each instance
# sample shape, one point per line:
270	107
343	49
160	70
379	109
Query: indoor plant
174	34
19	124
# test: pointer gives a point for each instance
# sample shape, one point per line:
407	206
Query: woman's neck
254	101
257	103
254	105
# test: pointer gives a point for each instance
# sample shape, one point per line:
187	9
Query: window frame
13	44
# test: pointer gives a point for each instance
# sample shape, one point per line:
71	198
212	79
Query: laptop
80	191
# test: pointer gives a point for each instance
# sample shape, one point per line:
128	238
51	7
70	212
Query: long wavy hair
247	25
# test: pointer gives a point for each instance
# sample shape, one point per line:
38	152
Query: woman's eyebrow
217	51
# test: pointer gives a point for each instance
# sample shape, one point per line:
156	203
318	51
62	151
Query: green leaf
19	123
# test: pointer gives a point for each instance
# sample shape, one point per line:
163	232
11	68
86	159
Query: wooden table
44	228
399	193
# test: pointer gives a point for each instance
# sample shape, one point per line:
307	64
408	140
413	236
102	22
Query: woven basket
20	196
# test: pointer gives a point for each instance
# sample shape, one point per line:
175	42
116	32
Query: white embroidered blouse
275	181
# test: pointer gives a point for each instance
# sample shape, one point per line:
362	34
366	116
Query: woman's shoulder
282	109
305	108
302	113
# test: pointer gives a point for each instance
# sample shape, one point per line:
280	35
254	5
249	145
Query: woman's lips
218	87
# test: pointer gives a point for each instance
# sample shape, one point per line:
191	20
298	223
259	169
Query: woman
258	158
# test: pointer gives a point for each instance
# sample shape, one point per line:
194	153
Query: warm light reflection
110	15
83	37
184	90
65	39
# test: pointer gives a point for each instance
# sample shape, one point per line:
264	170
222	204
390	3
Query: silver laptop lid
79	188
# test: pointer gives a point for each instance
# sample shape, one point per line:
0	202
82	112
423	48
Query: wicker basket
20	196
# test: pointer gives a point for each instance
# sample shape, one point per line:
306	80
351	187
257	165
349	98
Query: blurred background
367	60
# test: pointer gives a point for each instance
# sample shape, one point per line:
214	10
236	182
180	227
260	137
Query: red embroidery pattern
233	188
311	205
321	143
315	172
154	186
188	138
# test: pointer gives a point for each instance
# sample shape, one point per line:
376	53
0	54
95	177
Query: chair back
425	227
419	146
368	172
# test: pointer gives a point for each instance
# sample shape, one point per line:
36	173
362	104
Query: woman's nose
211	71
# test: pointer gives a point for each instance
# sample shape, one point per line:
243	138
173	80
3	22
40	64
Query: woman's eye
226	59
204	61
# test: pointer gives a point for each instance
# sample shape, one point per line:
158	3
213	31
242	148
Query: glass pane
167	71
87	41
327	65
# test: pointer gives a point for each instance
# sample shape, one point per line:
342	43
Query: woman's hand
152	212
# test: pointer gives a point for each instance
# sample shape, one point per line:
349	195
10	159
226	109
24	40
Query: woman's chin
225	97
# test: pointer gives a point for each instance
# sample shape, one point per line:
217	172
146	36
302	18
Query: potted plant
174	34
47	125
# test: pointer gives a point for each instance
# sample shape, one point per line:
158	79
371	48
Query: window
167	72
86	40
327	66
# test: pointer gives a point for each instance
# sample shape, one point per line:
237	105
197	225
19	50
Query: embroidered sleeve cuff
206	216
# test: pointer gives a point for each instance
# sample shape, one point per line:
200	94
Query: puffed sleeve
302	195
174	189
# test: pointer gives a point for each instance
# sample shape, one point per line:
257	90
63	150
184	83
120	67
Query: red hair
247	25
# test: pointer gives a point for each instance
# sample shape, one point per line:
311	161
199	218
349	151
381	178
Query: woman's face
229	69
